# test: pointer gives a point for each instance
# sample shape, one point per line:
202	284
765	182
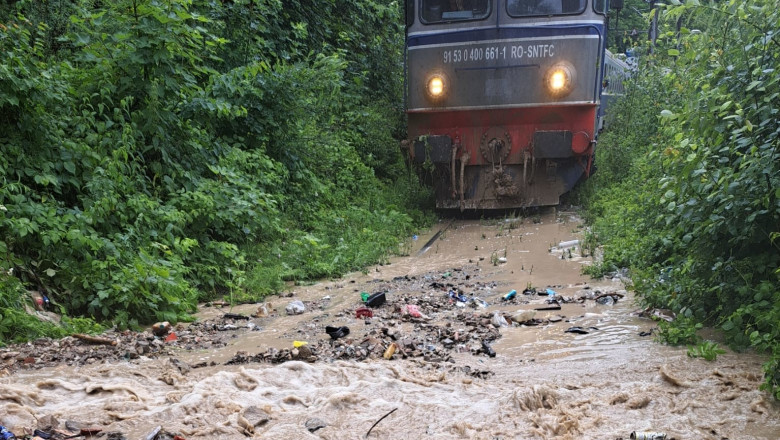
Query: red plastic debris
171	337
364	312
411	310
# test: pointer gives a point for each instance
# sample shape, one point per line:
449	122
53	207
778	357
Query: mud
230	377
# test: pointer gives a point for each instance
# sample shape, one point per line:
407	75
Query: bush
153	154
699	188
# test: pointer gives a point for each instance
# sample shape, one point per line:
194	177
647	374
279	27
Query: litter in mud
580	330
295	308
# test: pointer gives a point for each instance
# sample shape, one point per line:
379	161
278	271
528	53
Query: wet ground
582	371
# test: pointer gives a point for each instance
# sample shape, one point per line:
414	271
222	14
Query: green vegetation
157	153
679	332
688	189
707	350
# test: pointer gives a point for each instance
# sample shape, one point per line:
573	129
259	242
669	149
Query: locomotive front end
502	98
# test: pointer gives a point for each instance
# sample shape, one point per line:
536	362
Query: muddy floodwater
543	383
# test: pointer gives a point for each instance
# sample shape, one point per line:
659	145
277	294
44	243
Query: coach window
443	11
525	8
600	6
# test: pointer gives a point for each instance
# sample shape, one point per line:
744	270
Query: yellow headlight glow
436	86
559	79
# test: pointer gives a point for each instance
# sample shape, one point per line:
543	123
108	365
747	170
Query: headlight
560	79
436	86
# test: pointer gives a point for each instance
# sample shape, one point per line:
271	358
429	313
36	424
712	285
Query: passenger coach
503	97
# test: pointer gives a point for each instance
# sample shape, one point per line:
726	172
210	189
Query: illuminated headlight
436	86
559	79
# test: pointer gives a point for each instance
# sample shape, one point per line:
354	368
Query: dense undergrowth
688	188
158	153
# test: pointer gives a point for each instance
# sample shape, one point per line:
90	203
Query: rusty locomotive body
503	97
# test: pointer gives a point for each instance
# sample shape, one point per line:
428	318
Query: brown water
547	384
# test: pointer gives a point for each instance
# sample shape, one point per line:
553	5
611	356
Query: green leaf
51	272
673	52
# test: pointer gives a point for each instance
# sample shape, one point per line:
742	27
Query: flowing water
547	384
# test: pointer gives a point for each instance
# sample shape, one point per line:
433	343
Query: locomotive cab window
600	6
443	11
526	8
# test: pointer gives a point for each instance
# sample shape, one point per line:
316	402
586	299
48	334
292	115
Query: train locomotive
503	97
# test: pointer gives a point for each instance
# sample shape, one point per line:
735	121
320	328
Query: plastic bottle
5	434
510	295
551	292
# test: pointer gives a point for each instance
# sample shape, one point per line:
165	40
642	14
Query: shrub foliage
691	196
156	153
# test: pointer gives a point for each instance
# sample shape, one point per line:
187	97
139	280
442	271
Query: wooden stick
377	422
94	339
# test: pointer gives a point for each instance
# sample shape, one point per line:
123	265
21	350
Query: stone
314	424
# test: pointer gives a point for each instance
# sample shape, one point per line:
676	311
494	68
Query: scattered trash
648	435
337	332
390	350
446	274
411	310
252	417
529	291
5	434
502	260
550	292
262	311
580	330
522	316
376	300
153	435
377	422
498	320
555	307
157	434
37	299
457	296
364	296
646	333
298	344
315	424
364	312
234	316
95	339
415	237
568	244
295	308
606	300
171	337
161	328
665	314
512	293
487	349
42	434
479	303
